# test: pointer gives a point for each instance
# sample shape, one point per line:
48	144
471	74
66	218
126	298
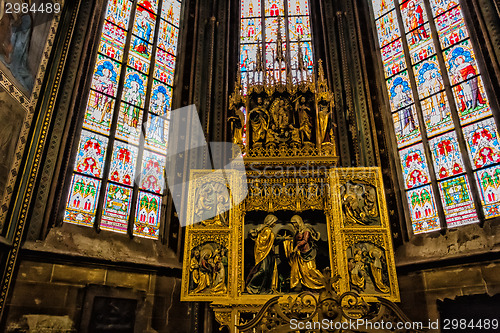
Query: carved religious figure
236	122
207	269
305	124
367	268
325	124
359	203
259	121
263	278
301	255
212	199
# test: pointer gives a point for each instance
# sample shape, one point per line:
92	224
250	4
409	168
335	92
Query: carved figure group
359	204
208	267
212	204
300	252
280	124
367	268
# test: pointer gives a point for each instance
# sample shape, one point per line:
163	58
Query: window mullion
114	122
454	113
418	107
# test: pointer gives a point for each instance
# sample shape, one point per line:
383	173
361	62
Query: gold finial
320	71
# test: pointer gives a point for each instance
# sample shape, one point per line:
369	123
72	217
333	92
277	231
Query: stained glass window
423	209
262	23
118	178
431	73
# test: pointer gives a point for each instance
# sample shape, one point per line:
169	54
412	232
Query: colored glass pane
98	112
461	62
82	201
440	6
123	163
274	7
161	99
116	208
134	89
393	50
152	178
147	217
387	28
163	73
423	210
419	37
472	102
139	56
171	11
482	143
91	152
114	33
454	34
457	202
380	7
244	81
414	15
251	30
250	8
393	58
144	24
449	20
165	59
129	120
167	37
106	75
488	181
399	89
150	5
307	55
414	163
428	77
422	51
437	114
248	56
111	49
157	133
90	160
298	7
299	28
272	29
446	155
118	12
406	126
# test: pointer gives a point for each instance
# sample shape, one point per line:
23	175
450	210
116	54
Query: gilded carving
358	193
287	119
207	265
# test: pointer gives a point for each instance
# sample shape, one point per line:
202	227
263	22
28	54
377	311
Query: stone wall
58	297
421	290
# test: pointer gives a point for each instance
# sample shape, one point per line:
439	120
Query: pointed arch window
445	132
118	179
263	24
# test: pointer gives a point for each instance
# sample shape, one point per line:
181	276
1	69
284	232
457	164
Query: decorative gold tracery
286	119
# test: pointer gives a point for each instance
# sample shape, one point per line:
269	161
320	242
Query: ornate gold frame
326	197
